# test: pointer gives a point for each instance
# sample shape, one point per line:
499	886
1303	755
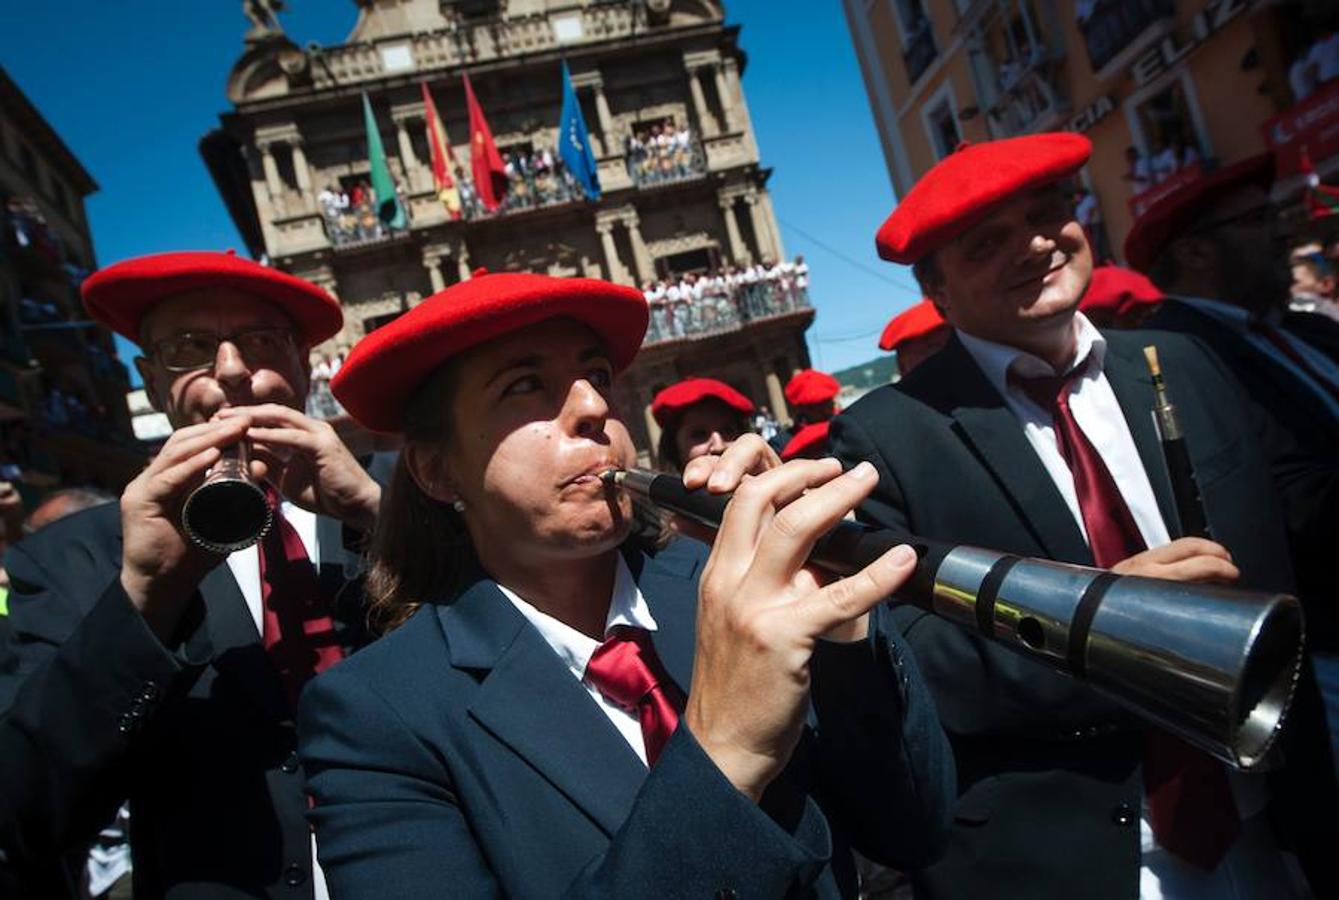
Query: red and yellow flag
443	161
490	173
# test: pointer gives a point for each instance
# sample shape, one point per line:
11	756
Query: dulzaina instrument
1175	453
229	510
1214	666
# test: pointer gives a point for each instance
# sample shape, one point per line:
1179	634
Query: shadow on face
532	426
1017	273
706	427
277	374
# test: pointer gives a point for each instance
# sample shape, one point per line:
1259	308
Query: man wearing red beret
915	335
812	398
154	671
698	416
1030	432
1119	298
1216	249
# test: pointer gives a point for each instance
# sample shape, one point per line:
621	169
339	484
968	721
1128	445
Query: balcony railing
920	50
321	403
1114	25
477	41
719	313
650	165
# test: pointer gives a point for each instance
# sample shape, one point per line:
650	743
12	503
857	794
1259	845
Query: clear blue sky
131	87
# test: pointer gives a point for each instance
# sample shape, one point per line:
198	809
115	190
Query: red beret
965	185
920	320
808	441
384	368
1119	290
676	398
120	295
811	386
1167	217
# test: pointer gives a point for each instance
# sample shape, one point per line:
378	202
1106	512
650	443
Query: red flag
490	173
442	159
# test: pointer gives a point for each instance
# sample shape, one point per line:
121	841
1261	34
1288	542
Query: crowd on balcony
1170	156
662	152
724	298
321	403
351	215
1316	65
534	178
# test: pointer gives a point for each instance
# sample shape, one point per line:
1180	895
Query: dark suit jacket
197	735
1049	771
1317	329
1303	450
458	753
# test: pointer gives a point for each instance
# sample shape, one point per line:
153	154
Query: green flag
389	209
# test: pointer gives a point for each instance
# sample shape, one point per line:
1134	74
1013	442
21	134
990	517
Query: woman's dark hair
420	548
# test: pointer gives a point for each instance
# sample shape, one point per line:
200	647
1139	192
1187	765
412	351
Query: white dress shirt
1097	413
245	566
627	606
1253	867
1239	320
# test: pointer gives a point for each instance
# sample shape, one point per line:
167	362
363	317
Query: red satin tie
298	632
1189	800
626	670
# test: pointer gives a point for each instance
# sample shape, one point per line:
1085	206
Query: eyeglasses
192	350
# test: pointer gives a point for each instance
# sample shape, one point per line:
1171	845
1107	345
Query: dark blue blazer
95	710
1048	768
458	755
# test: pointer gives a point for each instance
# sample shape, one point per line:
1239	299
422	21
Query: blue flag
574	141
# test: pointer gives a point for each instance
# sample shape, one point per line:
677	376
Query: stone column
463	261
727	101
762	229
743	121
641	257
705	119
273	183
739	254
301	171
606	120
776	395
433	263
652	430
408	161
612	264
778	248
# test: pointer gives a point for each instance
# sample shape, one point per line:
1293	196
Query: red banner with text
1313	124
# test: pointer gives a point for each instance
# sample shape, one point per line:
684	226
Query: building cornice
44	139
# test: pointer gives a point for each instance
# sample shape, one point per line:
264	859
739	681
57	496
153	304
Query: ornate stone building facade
684	194
1159	86
63	413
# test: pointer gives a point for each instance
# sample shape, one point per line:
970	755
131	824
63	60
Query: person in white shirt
130	629
1165	162
1137	171
1030	432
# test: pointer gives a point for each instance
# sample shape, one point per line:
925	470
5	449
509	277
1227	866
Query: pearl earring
458	505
